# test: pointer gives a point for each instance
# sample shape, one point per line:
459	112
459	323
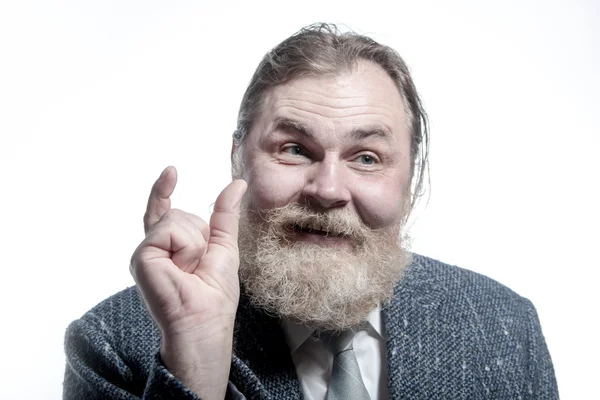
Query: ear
236	160
233	148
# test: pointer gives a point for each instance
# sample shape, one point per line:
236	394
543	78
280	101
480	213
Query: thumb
224	221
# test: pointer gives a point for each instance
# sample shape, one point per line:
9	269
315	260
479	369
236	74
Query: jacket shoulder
121	322
465	302
111	350
450	283
123	312
464	328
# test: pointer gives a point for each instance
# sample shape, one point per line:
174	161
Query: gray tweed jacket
451	334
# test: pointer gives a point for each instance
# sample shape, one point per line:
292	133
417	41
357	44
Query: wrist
200	360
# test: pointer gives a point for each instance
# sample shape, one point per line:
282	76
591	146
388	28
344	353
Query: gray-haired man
301	284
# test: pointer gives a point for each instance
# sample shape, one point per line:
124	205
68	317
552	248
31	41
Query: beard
328	288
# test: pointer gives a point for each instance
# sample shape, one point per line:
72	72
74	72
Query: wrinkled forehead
365	93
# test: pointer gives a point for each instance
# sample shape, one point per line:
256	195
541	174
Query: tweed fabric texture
450	334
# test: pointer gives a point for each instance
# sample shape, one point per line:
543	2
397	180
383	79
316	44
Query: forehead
365	94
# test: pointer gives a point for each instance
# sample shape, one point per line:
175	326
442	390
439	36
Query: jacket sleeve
95	370
541	382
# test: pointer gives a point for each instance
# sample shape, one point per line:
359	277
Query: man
331	146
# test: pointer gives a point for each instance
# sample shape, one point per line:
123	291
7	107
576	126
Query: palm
186	269
195	296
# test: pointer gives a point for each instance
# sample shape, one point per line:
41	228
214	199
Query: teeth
312	226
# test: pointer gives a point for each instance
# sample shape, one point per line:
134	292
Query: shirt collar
296	334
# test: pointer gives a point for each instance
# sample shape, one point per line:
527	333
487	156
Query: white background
97	97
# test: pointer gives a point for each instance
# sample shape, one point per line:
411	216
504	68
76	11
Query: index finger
159	201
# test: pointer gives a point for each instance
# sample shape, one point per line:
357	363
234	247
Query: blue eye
294	150
367	159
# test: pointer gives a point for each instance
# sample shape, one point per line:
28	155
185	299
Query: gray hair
322	49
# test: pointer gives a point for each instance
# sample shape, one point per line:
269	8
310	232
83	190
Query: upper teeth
312	226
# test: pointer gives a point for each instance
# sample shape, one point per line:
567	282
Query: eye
366	159
294	150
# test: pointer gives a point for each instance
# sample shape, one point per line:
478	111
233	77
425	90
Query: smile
318	235
313	229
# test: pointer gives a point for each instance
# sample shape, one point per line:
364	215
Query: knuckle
174	213
224	239
169	216
201	224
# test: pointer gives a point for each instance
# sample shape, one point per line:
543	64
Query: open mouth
313	229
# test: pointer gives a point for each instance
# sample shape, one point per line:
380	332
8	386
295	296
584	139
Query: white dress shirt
313	361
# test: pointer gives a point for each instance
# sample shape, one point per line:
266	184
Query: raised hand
186	271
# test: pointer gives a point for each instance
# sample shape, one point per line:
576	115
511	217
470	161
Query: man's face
328	170
332	142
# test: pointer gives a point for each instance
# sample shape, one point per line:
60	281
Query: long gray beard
325	288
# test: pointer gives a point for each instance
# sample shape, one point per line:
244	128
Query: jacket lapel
262	367
426	349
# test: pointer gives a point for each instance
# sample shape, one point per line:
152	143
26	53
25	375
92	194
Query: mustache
336	222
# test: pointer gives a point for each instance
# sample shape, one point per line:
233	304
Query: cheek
380	201
272	186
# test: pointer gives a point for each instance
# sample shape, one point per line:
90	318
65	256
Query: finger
188	246
197	230
177	236
193	223
199	224
224	221
159	201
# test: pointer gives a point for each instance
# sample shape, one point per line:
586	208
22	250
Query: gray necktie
346	382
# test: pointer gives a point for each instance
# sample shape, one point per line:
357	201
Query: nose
327	185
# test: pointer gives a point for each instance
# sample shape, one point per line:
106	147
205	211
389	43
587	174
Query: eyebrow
292	126
372	131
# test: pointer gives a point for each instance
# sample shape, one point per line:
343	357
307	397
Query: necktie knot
339	342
